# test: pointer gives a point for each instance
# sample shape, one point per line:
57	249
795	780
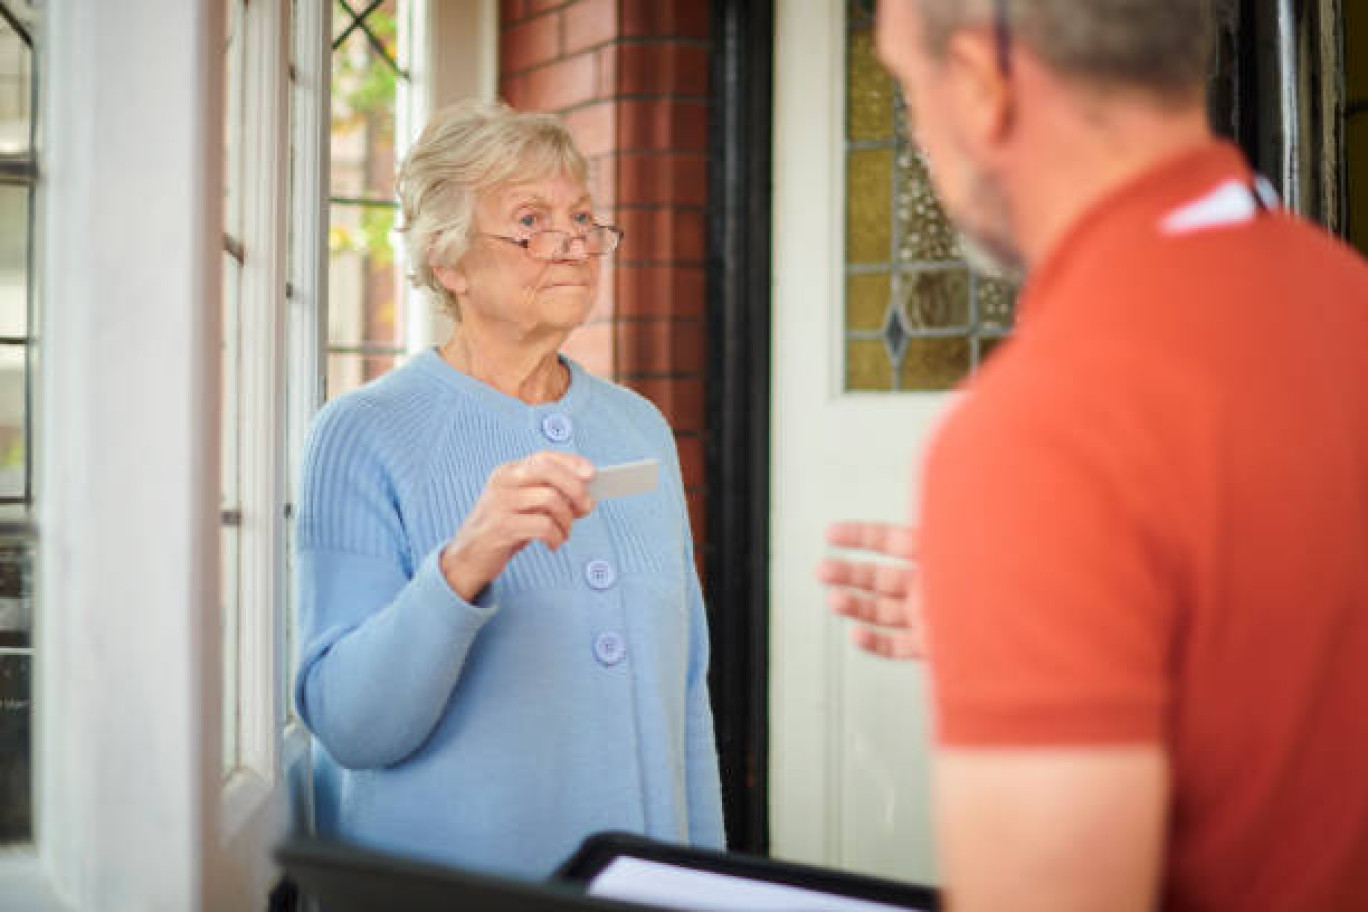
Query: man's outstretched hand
881	596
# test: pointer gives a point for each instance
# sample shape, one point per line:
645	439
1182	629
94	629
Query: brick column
630	77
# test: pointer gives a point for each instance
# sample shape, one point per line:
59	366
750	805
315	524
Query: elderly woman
494	665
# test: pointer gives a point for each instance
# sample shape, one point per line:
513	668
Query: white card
624	480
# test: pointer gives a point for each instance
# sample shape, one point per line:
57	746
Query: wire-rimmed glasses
599	240
1002	34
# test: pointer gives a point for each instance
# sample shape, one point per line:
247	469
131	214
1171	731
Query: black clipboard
344	878
599	851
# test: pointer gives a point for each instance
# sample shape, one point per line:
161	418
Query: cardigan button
557	427
609	648
600	574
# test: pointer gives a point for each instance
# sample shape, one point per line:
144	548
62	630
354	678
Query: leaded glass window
917	318
365	282
234	257
18	369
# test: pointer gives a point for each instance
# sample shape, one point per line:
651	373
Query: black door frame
736	556
1278	90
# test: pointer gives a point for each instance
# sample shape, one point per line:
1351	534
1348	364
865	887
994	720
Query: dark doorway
1279	90
738	401
1356	122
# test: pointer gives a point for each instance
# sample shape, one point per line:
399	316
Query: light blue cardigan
571	697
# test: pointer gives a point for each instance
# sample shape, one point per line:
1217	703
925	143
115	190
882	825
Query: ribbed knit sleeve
383	641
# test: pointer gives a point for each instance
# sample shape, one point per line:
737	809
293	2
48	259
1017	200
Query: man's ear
980	90
453	279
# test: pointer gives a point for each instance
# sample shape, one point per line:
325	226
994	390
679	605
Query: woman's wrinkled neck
529	370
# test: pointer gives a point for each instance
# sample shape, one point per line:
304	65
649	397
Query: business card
624	479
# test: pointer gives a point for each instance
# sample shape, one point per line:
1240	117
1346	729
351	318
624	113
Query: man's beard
985	231
996	261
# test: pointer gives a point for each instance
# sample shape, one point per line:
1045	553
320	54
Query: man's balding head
1159	47
1030	109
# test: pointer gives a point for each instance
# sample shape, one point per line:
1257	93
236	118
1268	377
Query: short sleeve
1047	583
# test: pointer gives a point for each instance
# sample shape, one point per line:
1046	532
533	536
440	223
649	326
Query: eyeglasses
599	240
1002	33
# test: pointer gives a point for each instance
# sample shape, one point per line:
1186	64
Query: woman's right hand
533	499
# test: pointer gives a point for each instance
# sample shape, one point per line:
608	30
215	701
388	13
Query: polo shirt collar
1134	210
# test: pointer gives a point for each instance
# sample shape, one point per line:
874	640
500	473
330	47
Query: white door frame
132	807
127	628
848	733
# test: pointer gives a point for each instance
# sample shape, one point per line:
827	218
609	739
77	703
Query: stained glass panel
934	364
867	365
869	207
935	299
926	233
917	318
867	297
869	91
996	302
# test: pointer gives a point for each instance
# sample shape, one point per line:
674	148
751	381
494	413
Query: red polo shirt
1147	523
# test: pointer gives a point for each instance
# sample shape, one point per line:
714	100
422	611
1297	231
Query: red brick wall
630	78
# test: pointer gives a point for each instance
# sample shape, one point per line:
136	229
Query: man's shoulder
1154	277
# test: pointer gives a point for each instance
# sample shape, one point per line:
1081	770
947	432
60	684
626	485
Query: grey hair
1162	47
466	151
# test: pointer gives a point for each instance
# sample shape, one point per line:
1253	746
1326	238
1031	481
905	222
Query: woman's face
498	282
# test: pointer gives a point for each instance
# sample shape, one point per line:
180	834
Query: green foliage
363	82
371	239
376	225
14	456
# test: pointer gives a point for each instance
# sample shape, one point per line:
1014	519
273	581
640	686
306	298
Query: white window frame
456	58
132	809
306	325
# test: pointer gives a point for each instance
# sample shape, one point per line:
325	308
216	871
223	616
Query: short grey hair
466	151
1162	47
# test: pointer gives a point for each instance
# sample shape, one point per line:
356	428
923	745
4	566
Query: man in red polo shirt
1143	557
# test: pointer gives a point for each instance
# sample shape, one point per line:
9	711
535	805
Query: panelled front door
875	317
